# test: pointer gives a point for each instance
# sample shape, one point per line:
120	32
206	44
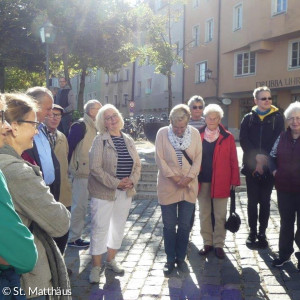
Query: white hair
213	108
293	107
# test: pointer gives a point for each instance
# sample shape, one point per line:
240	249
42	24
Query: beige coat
79	164
34	202
61	151
103	183
167	191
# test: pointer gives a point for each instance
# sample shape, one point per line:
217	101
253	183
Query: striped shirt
179	155
197	123
125	161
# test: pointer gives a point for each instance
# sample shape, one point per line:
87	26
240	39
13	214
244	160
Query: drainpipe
183	54
218	50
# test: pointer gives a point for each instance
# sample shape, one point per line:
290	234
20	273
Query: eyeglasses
292	119
2	115
57	116
34	123
265	98
111	117
62	81
197	107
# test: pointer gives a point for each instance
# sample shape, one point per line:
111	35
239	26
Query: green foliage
20	80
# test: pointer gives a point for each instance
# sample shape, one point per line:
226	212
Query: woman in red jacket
219	173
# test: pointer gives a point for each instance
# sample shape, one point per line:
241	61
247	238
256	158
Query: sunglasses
265	98
197	107
2	116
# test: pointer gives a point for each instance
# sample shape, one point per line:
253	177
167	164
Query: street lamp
47	34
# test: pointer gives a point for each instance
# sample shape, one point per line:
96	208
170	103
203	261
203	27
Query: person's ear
15	128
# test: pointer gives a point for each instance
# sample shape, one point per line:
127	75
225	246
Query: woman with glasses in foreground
33	201
114	171
285	166
18	253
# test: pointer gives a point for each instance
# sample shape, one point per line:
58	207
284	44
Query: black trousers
259	192
289	207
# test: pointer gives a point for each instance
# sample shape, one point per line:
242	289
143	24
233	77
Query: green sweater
17	246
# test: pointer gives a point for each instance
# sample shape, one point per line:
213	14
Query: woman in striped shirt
114	170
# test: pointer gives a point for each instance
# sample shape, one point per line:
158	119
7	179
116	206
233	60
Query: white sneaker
114	266
95	275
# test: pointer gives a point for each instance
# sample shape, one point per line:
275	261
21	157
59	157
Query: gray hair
90	104
213	108
293	107
260	89
195	99
100	121
38	93
180	112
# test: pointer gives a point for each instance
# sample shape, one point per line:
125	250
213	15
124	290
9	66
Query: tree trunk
170	102
2	77
65	59
81	88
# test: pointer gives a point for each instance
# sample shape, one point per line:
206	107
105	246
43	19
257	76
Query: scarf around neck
211	135
180	143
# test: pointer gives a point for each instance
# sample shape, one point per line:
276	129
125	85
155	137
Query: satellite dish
226	101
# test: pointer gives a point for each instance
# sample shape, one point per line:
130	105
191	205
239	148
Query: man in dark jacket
259	130
67	100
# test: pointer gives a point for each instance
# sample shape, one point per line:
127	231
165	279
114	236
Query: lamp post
47	34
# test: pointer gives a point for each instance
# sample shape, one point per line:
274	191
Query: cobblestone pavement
243	274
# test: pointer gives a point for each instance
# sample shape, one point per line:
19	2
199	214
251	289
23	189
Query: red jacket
225	164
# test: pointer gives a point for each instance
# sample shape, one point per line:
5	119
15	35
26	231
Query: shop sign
277	83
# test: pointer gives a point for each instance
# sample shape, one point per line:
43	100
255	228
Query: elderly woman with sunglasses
18	253
178	153
114	171
196	105
32	198
285	166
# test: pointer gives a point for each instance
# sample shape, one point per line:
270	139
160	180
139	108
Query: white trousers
108	222
80	196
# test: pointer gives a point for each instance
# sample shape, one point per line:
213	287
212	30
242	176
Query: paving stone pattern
243	274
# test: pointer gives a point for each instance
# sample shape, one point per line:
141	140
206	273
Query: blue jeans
176	241
10	286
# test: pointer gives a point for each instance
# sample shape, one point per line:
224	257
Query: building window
149	86
116	77
196	35
139	88
294	54
106	78
106	99
196	3
209	30
126	74
237	16
245	63
200	69
116	100
279	6
125	99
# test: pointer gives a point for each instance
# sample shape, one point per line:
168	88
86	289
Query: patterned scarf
180	143
211	135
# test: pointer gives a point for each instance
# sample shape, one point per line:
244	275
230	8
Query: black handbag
234	221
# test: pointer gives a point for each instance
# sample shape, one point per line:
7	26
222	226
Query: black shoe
251	238
79	244
168	268
279	262
262	241
182	266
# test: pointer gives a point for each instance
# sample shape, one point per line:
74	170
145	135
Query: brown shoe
205	250
220	253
